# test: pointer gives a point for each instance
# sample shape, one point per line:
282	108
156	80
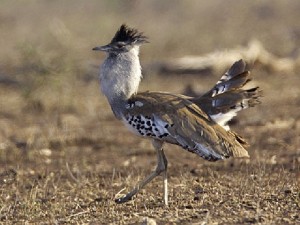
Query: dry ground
64	157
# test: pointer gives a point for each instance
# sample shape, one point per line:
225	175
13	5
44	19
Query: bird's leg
162	164
165	178
161	167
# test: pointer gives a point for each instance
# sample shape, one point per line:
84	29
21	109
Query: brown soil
64	157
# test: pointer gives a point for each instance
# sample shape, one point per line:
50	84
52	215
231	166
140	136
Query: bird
197	124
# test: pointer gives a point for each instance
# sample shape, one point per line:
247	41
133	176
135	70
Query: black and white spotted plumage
148	126
198	124
175	119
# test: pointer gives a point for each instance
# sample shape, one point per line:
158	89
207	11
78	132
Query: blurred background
48	44
51	109
49	74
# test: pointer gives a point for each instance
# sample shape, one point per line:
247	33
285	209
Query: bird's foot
124	199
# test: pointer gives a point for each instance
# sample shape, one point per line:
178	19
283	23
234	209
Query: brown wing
179	121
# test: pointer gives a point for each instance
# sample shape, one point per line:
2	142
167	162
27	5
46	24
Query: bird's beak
104	48
145	41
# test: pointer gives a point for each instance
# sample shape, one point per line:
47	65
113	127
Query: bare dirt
64	157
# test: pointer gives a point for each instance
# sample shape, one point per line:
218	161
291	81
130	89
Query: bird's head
124	40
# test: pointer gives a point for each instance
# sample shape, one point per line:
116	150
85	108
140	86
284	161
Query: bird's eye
120	45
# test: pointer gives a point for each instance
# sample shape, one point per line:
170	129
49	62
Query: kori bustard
197	124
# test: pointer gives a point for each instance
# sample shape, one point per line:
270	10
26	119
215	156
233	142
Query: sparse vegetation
63	156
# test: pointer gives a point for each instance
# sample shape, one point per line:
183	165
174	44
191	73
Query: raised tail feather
228	97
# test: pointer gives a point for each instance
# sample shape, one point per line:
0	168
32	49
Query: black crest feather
126	34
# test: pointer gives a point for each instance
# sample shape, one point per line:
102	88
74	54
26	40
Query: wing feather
184	123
